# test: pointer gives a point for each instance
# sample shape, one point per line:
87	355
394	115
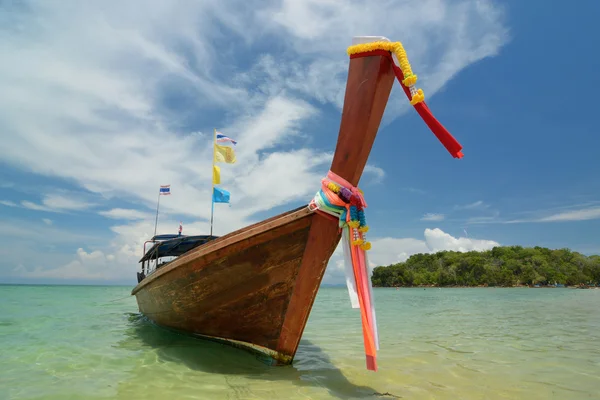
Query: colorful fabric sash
339	200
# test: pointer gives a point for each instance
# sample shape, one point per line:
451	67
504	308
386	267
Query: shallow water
78	342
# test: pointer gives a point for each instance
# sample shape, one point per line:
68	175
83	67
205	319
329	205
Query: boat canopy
174	245
167	236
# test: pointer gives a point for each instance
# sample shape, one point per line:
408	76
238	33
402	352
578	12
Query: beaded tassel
357	241
363	229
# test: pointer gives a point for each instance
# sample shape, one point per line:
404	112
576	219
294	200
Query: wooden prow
255	287
368	88
369	84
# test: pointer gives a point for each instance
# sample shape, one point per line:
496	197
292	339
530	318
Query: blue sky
104	103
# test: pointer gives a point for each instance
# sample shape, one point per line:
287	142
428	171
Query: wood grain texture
257	285
241	294
221	246
370	81
322	240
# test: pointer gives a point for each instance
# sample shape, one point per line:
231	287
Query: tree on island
500	266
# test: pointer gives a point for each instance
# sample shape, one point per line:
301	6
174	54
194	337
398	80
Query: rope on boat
122	298
339	200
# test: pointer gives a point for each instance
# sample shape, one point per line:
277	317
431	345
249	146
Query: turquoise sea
86	342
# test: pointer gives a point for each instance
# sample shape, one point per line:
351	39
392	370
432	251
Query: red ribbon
451	144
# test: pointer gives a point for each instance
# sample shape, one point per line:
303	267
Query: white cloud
34	206
40	234
386	251
433	217
276	124
438	240
484	219
441	38
86	266
65	202
8	203
111	110
118	261
575	215
582	214
477	205
47	221
57	203
123	213
578	212
377	173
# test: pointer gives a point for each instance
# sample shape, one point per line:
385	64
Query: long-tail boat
255	287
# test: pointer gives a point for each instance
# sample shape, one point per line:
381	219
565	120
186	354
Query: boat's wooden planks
223	244
241	294
258	284
322	241
364	105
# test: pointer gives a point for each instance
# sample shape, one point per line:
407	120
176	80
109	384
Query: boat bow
255	287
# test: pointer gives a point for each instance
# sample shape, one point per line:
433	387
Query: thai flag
165	190
224	139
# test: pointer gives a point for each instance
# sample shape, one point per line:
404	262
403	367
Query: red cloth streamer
359	265
451	144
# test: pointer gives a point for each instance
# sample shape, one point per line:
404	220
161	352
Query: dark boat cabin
166	248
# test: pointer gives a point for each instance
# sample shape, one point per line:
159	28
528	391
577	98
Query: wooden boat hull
250	289
255	287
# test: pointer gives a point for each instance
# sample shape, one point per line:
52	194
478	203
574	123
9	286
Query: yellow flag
224	154
216	174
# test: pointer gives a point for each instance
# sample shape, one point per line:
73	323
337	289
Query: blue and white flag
165	190
224	139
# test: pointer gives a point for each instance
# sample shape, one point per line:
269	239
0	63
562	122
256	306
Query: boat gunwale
227	240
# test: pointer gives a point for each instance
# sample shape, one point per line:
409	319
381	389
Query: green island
505	266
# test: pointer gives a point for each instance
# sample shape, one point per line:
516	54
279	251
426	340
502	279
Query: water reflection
312	367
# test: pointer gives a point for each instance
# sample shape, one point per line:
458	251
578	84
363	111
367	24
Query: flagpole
157	204
212	192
